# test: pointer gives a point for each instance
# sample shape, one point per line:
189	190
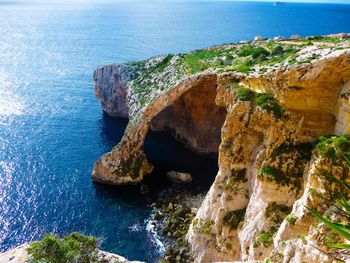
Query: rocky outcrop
20	255
178	177
111	88
262	106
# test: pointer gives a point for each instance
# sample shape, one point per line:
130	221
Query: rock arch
188	110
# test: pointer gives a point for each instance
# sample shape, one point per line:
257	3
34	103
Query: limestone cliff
261	106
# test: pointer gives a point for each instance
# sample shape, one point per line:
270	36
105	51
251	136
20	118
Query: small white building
258	38
295	37
278	38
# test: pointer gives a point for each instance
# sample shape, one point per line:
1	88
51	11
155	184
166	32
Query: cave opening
185	137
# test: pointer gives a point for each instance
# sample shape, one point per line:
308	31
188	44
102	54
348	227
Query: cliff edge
262	106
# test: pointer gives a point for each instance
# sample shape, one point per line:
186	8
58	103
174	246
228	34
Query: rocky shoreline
172	216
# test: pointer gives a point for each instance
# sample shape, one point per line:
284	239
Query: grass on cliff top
241	58
74	247
201	60
333	40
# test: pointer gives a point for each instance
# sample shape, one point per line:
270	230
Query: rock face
263	121
110	88
194	118
179	178
20	255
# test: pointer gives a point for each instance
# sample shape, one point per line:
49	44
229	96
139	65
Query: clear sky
82	1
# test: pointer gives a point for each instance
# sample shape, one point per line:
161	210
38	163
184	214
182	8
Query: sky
82	1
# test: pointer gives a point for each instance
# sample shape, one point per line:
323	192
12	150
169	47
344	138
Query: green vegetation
164	63
262	57
291	219
333	40
244	94
262	100
201	60
268	102
245	51
310	59
341	208
241	58
233	218
287	164
203	226
269	172
258	51
285	179
303	150
277	50
244	67
334	147
265	238
74	248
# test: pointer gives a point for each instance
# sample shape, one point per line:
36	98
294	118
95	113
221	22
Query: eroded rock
178	177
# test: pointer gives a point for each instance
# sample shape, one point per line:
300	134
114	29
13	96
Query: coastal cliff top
147	79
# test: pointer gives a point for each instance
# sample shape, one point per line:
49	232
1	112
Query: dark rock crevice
194	118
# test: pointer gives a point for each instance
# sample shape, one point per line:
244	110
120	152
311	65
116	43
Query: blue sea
52	128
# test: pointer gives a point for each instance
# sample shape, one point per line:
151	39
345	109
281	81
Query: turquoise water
52	128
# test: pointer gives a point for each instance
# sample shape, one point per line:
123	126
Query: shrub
261	58
245	51
265	238
164	63
243	68
316	38
245	94
334	147
259	51
268	102
278	50
269	172
75	247
291	219
342	211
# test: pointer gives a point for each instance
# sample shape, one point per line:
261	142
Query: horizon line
9	2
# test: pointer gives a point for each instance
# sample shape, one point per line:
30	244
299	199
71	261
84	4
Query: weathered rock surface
178	177
111	88
20	255
267	169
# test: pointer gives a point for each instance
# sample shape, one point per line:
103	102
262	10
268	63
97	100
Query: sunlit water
52	128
